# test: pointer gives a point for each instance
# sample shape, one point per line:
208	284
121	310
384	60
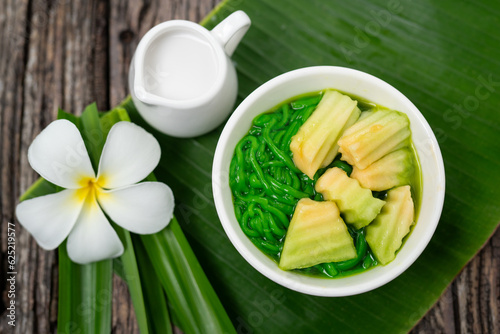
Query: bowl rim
290	281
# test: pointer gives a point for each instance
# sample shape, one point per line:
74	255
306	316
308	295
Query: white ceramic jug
181	78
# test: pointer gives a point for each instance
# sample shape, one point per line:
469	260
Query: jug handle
230	31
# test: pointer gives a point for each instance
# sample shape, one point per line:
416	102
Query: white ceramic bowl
364	85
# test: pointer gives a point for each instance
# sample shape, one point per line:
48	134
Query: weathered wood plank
440	318
477	293
50	58
471	304
34	267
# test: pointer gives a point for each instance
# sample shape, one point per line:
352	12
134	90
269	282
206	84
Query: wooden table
67	54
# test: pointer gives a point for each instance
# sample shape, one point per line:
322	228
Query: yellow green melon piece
356	203
376	134
317	234
385	235
393	170
315	144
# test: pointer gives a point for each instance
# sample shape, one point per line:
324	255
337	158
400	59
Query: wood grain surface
63	53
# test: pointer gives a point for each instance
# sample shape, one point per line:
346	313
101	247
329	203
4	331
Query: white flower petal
50	218
129	155
143	208
59	155
93	238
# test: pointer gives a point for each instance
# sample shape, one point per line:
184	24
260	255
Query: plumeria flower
59	155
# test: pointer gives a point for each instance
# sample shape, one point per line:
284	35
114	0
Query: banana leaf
444	56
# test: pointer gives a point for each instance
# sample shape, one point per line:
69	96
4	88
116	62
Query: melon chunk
317	234
377	134
385	235
356	203
393	170
315	144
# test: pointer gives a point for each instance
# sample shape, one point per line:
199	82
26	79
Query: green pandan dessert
375	135
315	144
311	209
385	235
356	203
393	170
316	235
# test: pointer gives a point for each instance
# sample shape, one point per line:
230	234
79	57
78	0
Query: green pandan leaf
92	133
442	56
85	295
130	260
154	297
110	118
131	275
81	287
194	303
150	265
85	291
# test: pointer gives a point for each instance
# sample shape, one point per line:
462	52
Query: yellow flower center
90	188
